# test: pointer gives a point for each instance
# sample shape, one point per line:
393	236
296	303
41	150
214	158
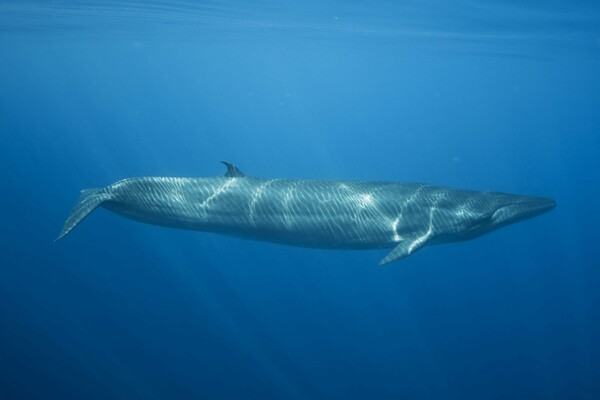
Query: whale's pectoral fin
405	248
232	170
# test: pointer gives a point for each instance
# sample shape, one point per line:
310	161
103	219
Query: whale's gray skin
312	213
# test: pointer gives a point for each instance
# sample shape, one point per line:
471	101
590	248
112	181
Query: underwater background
489	95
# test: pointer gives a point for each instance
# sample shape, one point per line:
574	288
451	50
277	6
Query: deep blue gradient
499	95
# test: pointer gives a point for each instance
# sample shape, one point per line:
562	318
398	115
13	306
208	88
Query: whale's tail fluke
88	200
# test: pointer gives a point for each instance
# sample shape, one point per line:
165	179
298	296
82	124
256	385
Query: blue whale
312	213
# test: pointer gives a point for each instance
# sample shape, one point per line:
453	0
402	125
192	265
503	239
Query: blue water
499	95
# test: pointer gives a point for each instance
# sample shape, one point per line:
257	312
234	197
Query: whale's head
504	209
510	209
484	212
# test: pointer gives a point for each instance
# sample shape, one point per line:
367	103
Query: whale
328	214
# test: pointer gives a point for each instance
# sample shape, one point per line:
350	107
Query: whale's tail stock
88	200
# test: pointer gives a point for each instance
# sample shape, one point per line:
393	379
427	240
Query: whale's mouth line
523	209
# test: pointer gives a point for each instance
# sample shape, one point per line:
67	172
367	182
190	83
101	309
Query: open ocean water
501	95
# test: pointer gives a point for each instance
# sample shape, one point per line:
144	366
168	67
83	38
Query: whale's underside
312	213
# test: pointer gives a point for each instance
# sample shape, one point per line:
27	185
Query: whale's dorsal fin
232	171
